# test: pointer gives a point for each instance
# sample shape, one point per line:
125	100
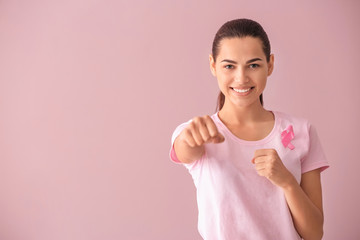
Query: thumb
219	138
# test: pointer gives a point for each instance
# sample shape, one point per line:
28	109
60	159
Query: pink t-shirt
234	202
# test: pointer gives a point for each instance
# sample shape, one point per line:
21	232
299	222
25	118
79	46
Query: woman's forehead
241	47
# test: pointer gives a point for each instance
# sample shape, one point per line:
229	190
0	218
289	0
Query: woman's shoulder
300	125
290	118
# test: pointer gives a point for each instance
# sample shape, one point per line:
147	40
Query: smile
241	90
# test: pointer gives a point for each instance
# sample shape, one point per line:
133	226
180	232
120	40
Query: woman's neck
235	115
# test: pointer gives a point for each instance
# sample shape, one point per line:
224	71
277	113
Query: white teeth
241	90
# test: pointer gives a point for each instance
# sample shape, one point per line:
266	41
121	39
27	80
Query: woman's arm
304	199
305	203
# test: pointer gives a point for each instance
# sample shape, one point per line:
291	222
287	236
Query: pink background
91	90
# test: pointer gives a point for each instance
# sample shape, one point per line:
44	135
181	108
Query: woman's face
241	70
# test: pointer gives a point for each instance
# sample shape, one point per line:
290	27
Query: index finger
263	152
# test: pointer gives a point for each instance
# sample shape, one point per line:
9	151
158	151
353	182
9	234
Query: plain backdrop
91	91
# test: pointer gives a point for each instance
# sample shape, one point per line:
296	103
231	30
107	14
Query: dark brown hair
240	28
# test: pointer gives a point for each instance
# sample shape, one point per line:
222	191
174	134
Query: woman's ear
212	65
271	64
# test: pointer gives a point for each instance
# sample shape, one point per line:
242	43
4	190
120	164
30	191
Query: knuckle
187	132
198	142
197	119
206	117
184	134
191	144
192	126
206	138
188	138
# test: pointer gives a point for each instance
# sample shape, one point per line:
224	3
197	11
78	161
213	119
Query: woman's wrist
290	184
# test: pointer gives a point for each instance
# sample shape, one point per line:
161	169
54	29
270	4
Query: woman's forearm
308	218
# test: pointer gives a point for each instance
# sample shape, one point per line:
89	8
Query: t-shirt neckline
266	139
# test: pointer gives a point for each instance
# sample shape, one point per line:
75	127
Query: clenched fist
201	130
268	164
189	145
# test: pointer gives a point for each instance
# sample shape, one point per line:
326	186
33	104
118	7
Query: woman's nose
241	76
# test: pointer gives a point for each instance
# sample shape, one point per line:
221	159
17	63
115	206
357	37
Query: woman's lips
242	91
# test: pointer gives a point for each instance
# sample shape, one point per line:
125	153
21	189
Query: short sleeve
315	157
175	134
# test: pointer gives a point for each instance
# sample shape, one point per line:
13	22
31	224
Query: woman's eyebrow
229	61
249	61
253	60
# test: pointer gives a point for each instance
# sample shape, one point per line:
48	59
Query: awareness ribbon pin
286	136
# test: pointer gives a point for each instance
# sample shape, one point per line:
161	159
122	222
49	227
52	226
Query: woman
257	172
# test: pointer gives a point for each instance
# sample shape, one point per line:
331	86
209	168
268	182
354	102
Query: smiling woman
257	172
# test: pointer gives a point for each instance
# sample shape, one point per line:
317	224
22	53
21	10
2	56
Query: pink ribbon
286	136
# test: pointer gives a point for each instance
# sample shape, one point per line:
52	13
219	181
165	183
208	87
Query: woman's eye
254	65
229	66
